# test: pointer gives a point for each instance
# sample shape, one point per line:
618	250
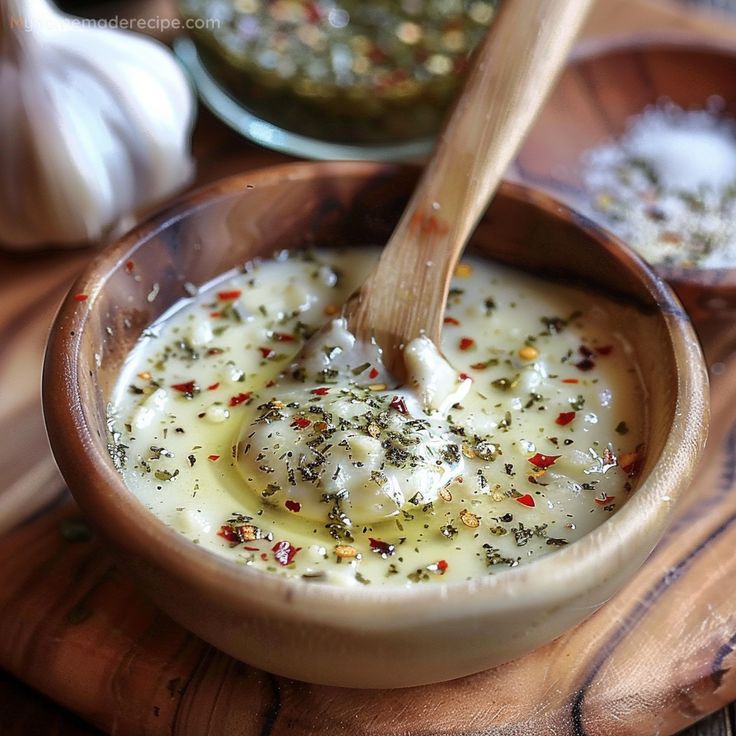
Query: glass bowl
332	78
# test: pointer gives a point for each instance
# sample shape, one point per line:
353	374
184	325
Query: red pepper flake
229	534
80	297
608	457
301	423
215	314
543	461
250	549
465	376
238	533
451	321
266	352
373	373
188	388
564	418
378	56
527	500
382	548
294	506
284	553
442	565
283	337
479	366
460	64
605	500
129	266
228	296
239	399
631	469
215	351
213	458
570	380
322	391
399	405
466	343
586	364
264	556
313	13
604	350
630	462
213	386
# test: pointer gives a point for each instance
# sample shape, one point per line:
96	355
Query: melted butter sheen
527	437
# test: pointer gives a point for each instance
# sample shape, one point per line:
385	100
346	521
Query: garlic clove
96	125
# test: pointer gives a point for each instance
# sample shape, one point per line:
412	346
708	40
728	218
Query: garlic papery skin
95	124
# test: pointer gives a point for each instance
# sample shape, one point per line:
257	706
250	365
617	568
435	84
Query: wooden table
219	152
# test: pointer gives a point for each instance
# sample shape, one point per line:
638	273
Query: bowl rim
672	40
665	38
103	496
236	115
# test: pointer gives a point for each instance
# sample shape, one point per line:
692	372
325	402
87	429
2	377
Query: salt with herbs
667	187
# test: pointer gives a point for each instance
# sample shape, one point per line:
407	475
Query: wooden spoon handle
512	73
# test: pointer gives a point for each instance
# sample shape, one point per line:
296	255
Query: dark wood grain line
717	670
643	62
718	724
189	687
272	712
728	475
81	609
594	90
175	686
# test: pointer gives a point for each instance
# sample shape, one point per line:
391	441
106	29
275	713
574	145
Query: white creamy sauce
520	437
369	447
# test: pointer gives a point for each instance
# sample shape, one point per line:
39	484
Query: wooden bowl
606	83
369	637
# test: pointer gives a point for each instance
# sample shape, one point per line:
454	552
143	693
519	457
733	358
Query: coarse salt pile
668	186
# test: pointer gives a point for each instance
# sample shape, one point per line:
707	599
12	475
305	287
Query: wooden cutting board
72	625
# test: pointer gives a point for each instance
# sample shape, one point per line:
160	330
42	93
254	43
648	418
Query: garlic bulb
95	125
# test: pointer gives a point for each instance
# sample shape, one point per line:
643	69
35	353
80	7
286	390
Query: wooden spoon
513	71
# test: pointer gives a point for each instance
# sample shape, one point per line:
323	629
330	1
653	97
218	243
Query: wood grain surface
653	661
